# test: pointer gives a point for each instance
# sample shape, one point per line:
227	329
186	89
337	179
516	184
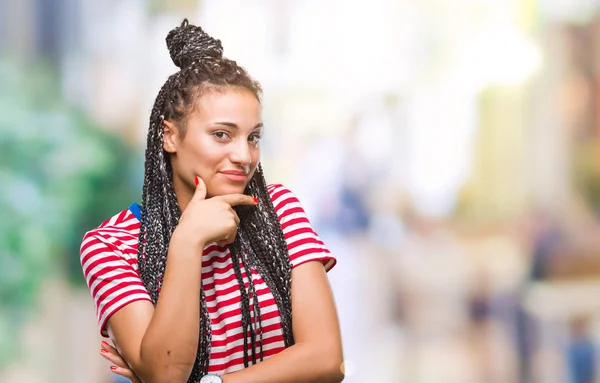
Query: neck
183	192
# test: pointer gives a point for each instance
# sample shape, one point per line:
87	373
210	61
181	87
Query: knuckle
128	374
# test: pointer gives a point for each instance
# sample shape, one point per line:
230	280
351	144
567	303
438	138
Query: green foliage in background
61	175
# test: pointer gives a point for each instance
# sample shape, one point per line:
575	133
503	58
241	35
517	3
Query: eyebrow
235	126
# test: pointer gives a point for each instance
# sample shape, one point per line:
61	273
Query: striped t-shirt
109	262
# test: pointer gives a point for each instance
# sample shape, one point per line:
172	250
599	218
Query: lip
234	175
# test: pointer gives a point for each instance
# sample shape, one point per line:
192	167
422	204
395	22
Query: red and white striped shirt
109	262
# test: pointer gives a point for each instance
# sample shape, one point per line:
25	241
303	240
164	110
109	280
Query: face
220	144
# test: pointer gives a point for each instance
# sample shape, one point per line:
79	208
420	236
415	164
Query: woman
169	278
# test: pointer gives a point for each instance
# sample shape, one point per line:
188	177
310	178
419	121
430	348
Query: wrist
185	241
212	378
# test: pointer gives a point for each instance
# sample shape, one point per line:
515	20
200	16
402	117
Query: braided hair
259	244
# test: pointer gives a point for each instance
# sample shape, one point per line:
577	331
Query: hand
213	219
119	366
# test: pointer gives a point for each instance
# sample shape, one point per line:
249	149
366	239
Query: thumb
200	193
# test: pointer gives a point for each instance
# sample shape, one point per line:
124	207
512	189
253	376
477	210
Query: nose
240	153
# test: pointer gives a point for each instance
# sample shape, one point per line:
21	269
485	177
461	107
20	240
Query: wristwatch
211	378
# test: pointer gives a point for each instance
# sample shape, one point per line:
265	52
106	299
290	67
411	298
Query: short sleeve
304	245
110	276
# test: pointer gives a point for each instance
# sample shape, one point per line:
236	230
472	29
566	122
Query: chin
227	189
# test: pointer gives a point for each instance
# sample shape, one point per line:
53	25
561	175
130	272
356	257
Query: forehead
228	105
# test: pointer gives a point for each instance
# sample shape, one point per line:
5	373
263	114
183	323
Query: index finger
238	199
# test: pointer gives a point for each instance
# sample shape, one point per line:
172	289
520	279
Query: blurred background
448	152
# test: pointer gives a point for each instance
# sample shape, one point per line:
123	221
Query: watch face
211	378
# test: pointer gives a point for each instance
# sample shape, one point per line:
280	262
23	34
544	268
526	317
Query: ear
170	137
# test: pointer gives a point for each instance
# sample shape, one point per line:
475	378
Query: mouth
234	175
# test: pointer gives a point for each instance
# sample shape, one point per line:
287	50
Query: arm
160	346
317	354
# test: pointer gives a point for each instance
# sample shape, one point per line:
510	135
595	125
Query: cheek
255	154
201	157
255	161
204	151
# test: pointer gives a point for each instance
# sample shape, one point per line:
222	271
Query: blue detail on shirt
134	208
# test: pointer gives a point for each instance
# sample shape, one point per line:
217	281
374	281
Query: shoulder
287	207
105	247
277	190
304	244
282	197
286	203
123	226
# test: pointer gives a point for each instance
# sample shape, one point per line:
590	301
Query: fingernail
103	351
255	200
113	368
196	180
105	344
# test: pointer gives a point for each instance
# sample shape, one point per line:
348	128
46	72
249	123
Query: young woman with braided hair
215	271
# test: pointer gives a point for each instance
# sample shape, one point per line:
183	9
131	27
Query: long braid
259	245
256	317
262	231
244	300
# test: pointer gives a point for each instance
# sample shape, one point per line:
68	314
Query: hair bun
188	43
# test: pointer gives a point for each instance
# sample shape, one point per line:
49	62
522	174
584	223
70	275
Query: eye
221	135
254	138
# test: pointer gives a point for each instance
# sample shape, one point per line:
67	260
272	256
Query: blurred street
447	152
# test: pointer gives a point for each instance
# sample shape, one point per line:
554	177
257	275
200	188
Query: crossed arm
157	347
